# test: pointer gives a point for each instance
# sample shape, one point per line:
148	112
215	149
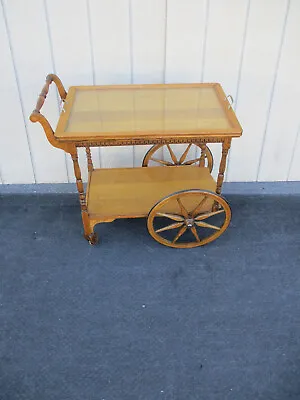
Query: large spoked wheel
189	218
177	156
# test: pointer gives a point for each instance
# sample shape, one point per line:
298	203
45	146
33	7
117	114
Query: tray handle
36	116
229	98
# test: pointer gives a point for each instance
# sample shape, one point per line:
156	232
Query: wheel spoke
174	217
180	233
174	159
195	233
190	162
172	226
207	215
183	157
162	162
182	208
206	225
198	208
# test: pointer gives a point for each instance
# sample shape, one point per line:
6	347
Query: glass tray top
146	109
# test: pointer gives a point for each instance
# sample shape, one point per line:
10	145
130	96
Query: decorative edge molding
141	141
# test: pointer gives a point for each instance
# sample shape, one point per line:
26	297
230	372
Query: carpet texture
131	319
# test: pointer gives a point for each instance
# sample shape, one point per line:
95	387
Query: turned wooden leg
89	159
202	157
88	231
225	148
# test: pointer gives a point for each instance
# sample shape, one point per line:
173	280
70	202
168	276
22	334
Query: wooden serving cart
173	188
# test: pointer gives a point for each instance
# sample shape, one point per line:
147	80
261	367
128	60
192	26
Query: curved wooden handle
60	87
43	95
36	116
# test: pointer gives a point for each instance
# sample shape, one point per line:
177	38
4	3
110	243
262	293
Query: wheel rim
189	218
178	156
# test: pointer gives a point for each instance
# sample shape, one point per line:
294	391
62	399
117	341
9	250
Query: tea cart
173	187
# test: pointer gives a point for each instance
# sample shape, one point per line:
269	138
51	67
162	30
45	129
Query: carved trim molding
143	141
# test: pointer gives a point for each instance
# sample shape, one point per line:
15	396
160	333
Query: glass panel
140	109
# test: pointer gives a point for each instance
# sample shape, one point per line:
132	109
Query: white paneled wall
250	46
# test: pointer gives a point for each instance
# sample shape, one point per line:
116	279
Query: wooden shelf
132	192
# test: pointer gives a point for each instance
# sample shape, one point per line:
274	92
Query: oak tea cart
173	187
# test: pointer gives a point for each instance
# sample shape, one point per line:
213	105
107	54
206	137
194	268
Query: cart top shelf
147	111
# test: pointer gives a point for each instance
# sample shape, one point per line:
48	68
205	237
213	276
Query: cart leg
88	230
225	148
202	156
89	159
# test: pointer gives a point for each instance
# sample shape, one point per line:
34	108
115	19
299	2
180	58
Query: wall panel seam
18	88
293	152
88	7
131	58
130	40
165	38
242	55
204	39
239	73
282	39
54	68
91	41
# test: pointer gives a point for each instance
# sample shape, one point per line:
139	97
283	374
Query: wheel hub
189	222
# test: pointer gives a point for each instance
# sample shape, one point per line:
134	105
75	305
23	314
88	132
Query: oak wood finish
122	106
89	159
44	92
225	148
159	193
36	116
88	230
132	192
204	155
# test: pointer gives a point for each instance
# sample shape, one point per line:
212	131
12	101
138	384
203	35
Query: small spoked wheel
189	218
175	155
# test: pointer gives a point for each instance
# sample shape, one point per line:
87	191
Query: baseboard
237	188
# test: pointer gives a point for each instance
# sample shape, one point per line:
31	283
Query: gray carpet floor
131	319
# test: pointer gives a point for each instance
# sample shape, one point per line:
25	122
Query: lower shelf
132	192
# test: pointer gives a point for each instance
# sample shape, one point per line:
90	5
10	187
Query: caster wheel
92	238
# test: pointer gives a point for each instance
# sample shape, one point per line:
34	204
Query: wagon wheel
189	218
188	156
